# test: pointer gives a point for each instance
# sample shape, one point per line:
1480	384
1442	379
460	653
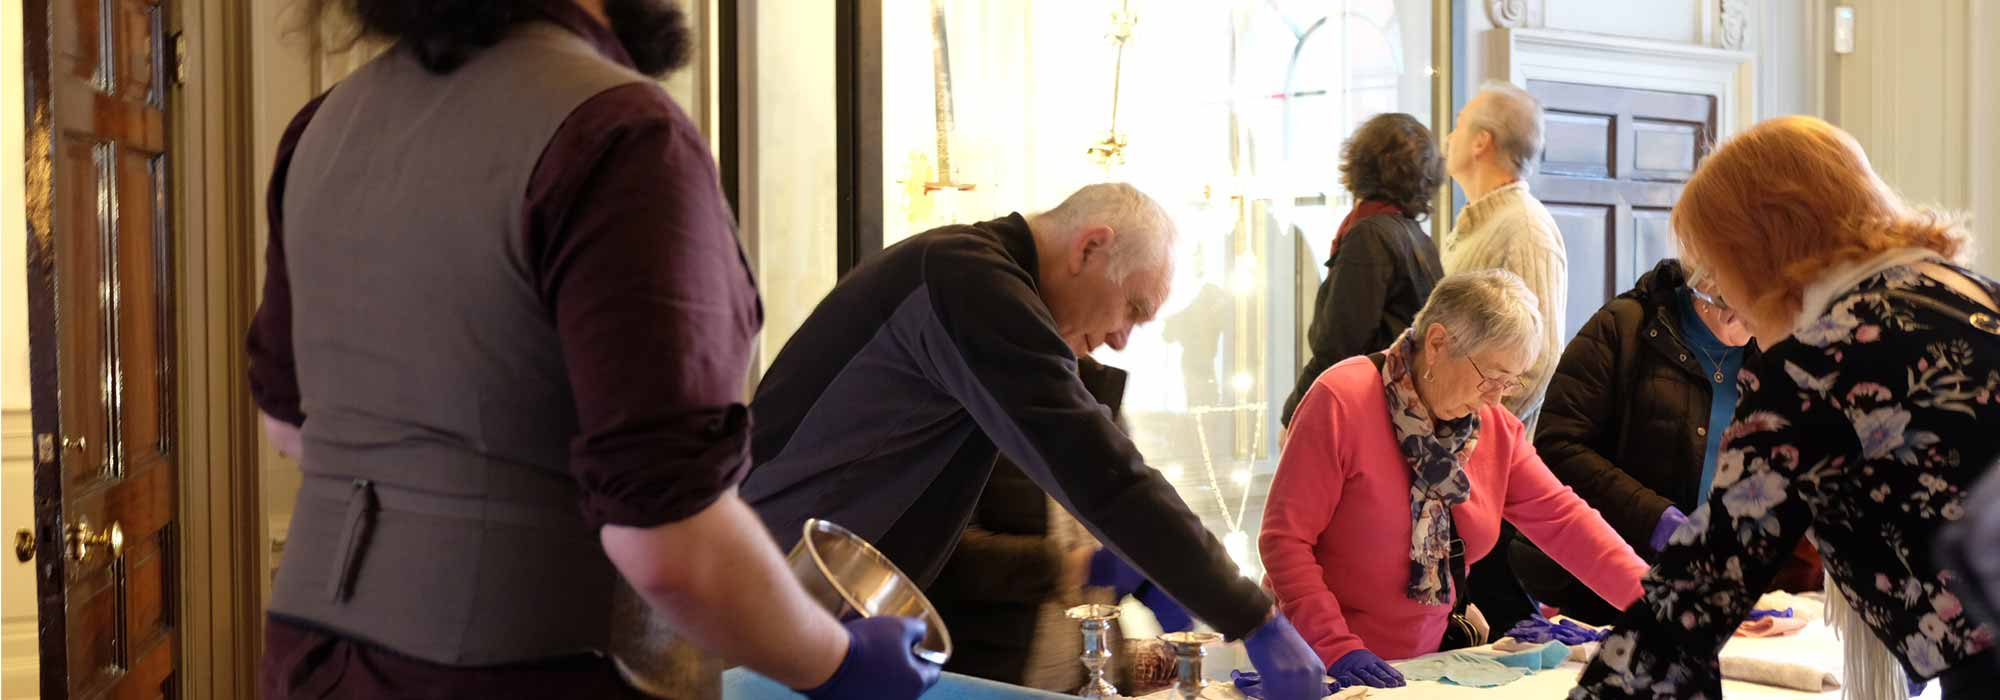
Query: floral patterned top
1867	427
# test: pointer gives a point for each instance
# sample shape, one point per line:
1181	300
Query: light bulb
1243	382
1171	471
1240	476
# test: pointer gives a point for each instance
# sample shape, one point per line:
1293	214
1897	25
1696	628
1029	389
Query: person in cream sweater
1489	155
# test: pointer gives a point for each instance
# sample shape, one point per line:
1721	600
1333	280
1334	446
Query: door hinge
177	53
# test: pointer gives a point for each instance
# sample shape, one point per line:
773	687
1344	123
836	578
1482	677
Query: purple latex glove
1251	684
1761	614
1172	617
1287	667
1539	630
880	663
1670	521
1108	569
1363	667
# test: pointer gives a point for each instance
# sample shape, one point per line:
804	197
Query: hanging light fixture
1110	151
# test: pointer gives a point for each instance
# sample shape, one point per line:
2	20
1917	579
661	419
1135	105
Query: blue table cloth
741	684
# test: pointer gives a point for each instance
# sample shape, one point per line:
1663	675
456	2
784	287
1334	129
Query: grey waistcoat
438	517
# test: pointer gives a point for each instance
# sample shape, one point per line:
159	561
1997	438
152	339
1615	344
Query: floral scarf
1436	452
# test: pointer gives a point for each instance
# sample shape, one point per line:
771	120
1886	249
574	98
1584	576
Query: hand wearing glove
1172	617
1251	684
1670	521
881	663
1287	668
1108	569
1539	630
1363	667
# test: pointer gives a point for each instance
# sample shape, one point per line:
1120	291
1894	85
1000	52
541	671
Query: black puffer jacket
1377	279
1626	420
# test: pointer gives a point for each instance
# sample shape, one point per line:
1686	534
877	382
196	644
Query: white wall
18	677
1774	31
1917	94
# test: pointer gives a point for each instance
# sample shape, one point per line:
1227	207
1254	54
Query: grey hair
1481	309
1514	118
1145	233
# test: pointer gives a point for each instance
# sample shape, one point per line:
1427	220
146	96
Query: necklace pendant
1718	376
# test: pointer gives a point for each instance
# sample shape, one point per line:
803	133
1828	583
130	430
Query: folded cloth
1537	629
1540	657
1470	669
1778	673
1251	684
1810	606
1772	627
1579	653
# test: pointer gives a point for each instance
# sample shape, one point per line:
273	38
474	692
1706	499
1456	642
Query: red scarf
1367	208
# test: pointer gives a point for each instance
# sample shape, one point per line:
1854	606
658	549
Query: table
1816	644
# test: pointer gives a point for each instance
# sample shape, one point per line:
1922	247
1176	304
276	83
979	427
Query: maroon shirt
636	258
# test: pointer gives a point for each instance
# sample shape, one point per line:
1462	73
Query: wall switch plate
1843	29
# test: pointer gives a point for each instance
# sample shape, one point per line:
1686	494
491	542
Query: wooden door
1613	164
101	322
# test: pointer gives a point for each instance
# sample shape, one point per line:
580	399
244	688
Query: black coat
991	589
1377	279
1625	423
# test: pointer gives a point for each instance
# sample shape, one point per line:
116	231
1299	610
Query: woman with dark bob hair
1382	266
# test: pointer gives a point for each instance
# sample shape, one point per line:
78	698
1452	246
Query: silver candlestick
1189	648
1096	622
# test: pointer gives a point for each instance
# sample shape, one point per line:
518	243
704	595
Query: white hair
1145	233
1514	118
1483	309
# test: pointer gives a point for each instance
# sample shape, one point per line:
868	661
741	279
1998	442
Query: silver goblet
1096	622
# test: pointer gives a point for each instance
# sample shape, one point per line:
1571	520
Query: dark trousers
1493	587
300	662
1973	679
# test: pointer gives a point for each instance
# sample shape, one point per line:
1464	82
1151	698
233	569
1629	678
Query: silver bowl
851	579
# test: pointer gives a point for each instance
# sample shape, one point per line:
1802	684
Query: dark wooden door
101	344
1613	165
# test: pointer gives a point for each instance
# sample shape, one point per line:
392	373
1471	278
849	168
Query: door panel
101	348
1613	165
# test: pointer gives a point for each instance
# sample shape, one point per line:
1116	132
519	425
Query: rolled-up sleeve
635	254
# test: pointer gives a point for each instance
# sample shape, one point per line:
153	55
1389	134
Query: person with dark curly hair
1382	266
505	327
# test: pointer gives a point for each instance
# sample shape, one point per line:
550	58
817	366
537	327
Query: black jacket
1377	279
990	590
1625	423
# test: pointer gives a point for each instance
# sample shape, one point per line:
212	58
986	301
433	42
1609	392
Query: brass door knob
82	543
24	545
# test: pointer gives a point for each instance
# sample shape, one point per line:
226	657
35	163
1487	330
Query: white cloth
1510	230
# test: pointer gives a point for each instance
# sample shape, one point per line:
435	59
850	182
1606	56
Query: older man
1498	138
885	411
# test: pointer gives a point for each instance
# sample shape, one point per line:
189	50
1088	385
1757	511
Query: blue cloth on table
1538	629
742	684
1252	685
1476	670
1541	658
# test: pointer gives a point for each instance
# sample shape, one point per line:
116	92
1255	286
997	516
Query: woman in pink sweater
1391	454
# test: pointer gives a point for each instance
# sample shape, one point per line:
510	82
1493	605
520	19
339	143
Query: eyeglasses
1714	300
1507	386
